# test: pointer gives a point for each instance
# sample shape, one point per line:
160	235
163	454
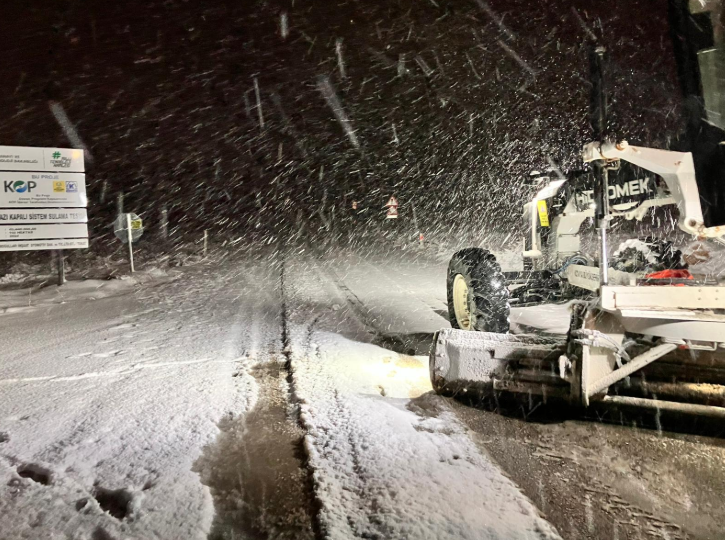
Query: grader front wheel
477	293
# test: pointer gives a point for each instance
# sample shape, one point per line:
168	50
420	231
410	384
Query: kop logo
18	186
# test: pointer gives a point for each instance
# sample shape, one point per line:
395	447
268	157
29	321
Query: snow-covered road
287	395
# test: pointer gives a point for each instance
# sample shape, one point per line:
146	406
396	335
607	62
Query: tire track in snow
357	307
410	344
254	469
291	394
359	523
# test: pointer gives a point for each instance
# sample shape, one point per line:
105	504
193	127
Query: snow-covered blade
463	361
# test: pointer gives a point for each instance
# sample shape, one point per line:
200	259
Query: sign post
130	241
43	201
60	261
128	228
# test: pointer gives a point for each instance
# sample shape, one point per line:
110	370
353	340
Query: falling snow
266	374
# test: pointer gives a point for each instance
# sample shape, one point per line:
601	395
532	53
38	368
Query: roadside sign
393	202
43	232
392	213
25	158
120	227
60	244
128	228
42	190
51	215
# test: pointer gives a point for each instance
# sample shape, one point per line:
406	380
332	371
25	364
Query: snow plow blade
463	361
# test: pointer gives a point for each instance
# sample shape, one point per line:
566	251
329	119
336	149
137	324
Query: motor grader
643	331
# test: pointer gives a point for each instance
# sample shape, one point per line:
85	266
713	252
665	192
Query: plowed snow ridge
390	461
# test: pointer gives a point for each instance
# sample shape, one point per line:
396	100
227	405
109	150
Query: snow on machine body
643	330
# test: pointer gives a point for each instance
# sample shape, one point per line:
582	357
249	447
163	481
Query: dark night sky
159	91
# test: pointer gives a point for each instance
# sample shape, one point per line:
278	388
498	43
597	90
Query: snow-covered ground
19	298
106	404
231	399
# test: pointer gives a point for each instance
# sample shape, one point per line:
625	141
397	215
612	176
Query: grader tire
478	298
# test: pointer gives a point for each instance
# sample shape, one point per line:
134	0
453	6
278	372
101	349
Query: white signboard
27	245
42	199
51	215
24	158
46	232
42	190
